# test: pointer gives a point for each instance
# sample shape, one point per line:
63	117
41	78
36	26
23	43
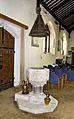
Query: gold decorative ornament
25	87
46	89
47	99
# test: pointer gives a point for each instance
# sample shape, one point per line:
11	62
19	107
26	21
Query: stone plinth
34	103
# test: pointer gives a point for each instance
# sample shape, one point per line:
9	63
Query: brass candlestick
25	87
46	89
47	99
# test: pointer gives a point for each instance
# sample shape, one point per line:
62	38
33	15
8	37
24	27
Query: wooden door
8	65
0	36
0	56
7	49
8	40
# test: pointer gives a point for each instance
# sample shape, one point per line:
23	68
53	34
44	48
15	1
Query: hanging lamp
39	29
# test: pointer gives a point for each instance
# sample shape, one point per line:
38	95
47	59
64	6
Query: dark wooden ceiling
62	11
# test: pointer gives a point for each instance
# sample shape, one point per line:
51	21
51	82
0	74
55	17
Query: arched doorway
16	30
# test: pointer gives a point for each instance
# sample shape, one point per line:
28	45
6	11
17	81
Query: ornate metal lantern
39	28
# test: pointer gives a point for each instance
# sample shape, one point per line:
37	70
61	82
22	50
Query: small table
34	103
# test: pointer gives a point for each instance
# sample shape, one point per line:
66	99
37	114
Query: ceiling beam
71	24
13	21
52	13
61	4
66	16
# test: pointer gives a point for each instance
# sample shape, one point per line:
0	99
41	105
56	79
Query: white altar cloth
34	103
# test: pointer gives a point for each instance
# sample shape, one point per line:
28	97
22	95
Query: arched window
46	43
64	44
49	41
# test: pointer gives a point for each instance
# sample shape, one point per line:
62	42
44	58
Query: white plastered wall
25	12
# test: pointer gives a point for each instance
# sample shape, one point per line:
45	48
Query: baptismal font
35	95
27	87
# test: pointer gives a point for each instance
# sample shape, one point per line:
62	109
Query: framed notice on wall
34	42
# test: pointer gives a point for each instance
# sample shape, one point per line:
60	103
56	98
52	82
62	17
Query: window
64	44
46	43
49	41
